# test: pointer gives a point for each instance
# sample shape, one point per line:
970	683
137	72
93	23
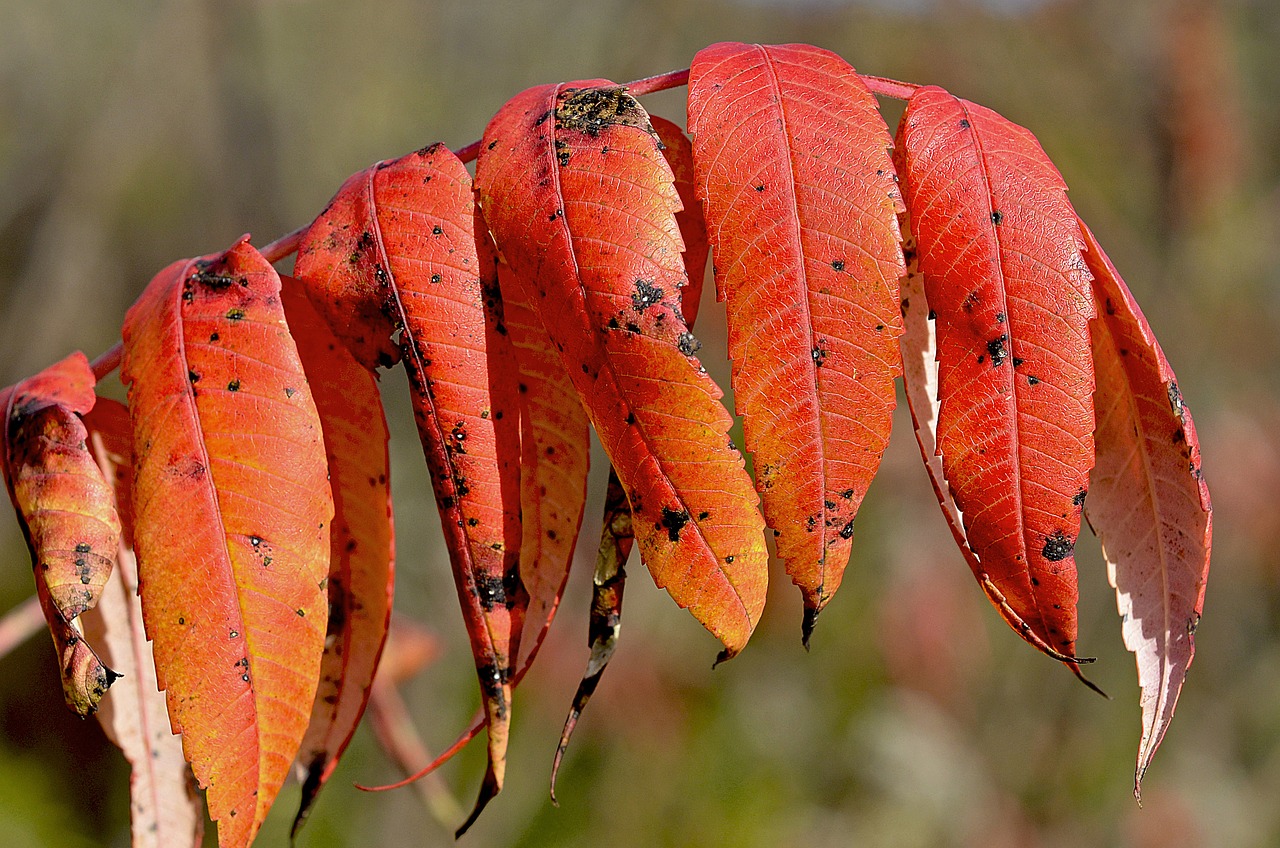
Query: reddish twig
886	87
108	361
285	245
661	82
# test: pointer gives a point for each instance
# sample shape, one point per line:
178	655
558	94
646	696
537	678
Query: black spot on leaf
1057	547
674	521
646	294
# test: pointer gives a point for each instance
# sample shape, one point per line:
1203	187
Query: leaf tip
1074	665
807	625
491	786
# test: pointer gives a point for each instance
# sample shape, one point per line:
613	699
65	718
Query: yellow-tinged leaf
231	509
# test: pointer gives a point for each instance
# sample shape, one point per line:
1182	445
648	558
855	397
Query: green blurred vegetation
133	133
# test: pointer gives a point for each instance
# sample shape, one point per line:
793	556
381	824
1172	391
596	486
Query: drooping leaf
231	523
793	169
553	483
999	250
607	587
402	246
66	510
362	547
617	537
555	437
582	205
165	809
1148	501
678	151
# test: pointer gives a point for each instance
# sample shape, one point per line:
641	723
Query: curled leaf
1148	501
67	512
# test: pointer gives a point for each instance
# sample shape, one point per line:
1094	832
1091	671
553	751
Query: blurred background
134	133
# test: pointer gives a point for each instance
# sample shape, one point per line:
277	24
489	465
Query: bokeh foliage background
133	133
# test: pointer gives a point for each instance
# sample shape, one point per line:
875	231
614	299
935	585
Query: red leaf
582	205
165	809
412	227
794	171
999	248
67	512
1148	502
361	559
232	509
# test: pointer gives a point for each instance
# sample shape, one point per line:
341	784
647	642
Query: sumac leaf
582	205
553	482
1148	501
362	547
164	808
999	250
66	510
412	229
793	169
231	523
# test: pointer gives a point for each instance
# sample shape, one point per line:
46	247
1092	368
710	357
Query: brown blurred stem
20	624
605	625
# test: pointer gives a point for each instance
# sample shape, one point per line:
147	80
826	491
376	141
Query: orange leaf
361	558
66	510
1148	502
793	169
165	809
999	249
412	226
232	509
582	205
553	481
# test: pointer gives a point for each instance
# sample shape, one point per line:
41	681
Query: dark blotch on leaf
688	344
592	110
490	592
674	521
999	349
645	295
1057	547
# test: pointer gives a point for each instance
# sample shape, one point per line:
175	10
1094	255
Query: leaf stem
468	153
886	87
20	624
284	246
108	361
661	82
